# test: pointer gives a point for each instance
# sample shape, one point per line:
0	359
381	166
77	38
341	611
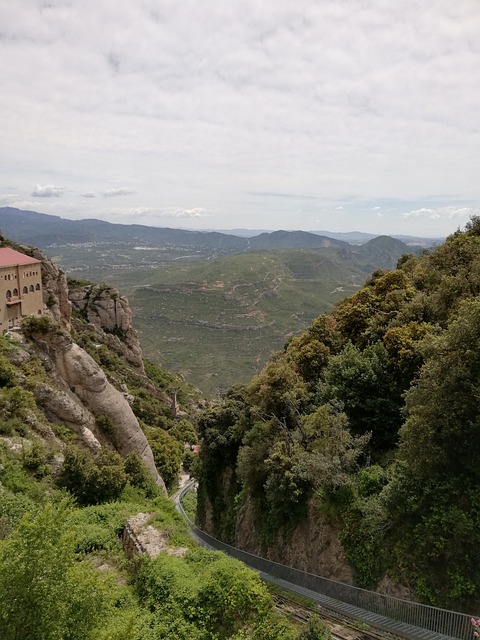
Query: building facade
20	287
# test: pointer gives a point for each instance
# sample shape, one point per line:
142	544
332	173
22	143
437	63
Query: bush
36	324
106	424
35	460
168	455
139	476
92	479
45	592
316	630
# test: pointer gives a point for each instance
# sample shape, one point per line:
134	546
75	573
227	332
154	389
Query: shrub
106	424
36	324
35	460
92	479
168	454
139	476
45	592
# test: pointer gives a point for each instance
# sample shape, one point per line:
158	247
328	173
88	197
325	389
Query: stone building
20	287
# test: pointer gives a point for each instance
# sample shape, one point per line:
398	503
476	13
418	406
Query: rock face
80	391
313	546
141	538
87	393
108	312
55	290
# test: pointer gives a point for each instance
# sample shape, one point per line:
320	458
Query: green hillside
367	424
217	322
70	567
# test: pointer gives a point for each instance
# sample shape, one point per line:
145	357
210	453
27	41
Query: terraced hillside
217	322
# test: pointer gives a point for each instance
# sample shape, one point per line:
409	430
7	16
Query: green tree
278	391
168	455
139	476
371	397
92	479
433	498
46	593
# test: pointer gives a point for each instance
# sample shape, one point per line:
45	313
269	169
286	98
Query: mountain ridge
20	226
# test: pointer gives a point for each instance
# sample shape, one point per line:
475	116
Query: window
31	288
8	295
37	287
25	290
15	293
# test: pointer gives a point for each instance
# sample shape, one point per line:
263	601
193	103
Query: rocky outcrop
141	538
55	290
85	394
80	392
110	317
313	545
64	407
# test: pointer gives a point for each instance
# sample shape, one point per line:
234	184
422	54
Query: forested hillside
86	427
365	428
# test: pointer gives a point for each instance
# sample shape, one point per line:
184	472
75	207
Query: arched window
37	287
15	293
9	276
24	290
8	295
31	288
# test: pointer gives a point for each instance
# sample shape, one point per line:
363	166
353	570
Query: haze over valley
209	305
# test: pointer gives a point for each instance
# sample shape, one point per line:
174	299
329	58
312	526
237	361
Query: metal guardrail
450	624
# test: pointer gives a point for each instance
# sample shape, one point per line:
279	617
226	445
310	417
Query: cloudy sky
315	114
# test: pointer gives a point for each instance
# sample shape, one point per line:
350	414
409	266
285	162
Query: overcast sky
267	114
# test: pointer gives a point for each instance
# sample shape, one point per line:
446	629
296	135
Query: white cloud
8	198
331	99
120	191
443	213
170	212
88	194
47	191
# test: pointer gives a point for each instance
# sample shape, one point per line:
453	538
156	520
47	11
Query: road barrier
412	620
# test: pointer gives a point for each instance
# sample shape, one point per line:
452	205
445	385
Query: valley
217	319
210	306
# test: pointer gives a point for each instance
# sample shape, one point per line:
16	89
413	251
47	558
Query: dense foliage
371	420
64	573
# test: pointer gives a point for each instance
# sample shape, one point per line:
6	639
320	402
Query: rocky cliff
74	389
110	317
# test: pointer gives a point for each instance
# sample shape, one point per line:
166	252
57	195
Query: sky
335	115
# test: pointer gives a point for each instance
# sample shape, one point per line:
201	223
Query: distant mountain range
352	237
46	231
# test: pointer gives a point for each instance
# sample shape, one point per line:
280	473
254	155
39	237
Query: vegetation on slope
64	574
217	322
216	319
370	417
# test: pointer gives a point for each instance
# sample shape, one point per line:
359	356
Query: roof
10	257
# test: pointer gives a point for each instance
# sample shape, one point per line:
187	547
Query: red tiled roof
10	257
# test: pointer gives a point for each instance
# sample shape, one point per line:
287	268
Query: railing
446	623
